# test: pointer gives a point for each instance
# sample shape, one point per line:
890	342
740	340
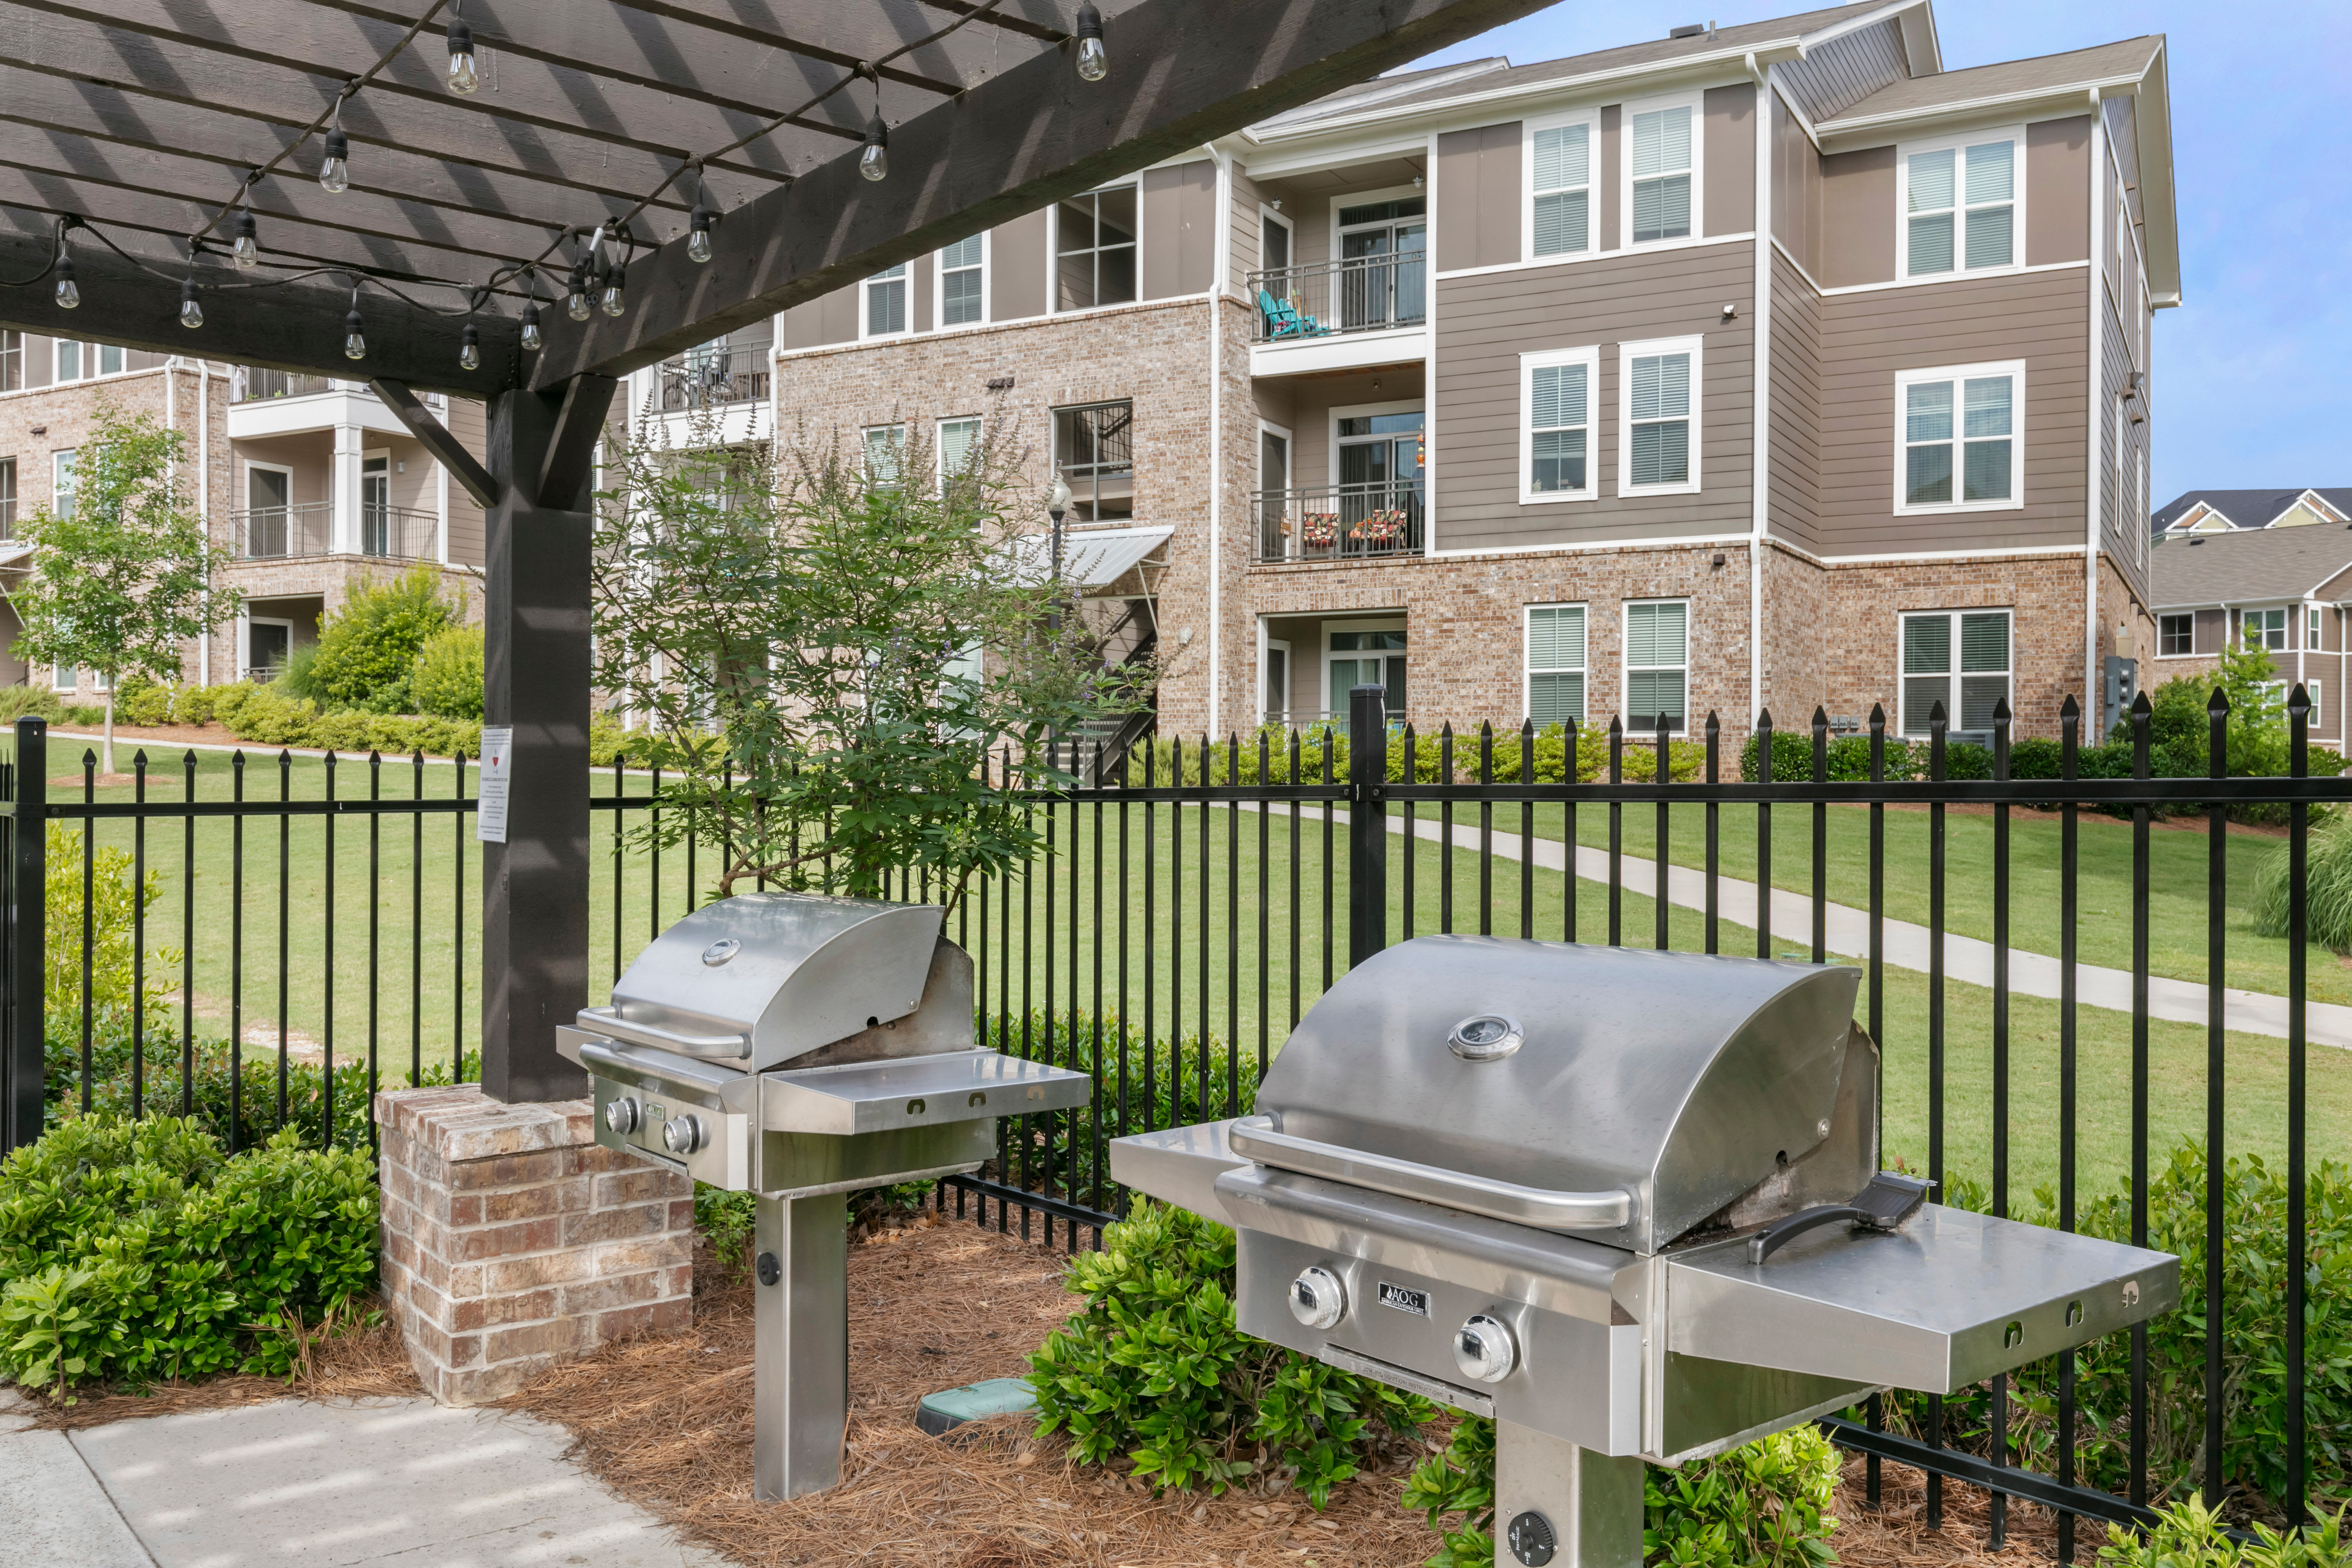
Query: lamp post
1057	502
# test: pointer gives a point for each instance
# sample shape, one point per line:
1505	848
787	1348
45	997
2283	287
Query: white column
344	539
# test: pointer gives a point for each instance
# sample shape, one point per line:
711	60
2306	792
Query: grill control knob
1317	1298
682	1134
621	1115
1483	1350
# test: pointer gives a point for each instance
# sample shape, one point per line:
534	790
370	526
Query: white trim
1768	93
1935	555
1958	145
1428	382
1588	356
1289	453
1695	99
1579	258
1266	215
1054	248
939	323
2057	95
2189	616
245	622
1376	623
1266	646
1583	667
1625	660
1952	670
1587	116
246	474
1626	353
939	445
1935	279
1742	541
1223	186
1959	374
1368	410
1012	325
2093	366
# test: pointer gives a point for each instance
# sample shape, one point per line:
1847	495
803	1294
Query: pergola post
535	667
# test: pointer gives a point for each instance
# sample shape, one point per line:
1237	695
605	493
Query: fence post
1368	828
27	936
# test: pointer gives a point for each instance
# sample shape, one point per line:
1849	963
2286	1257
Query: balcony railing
1340	522
1361	294
707	379
288	533
255	384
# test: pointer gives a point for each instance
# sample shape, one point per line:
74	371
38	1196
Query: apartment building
311	483
1772	365
2284	585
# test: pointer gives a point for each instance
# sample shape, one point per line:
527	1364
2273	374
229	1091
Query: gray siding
2038	317
2209	626
1244	249
2057	191
1477	197
1179	229
1795	189
826	320
469	421
1485	323
1613	118
2126	518
1857	236
1731	174
1845	71
1794	423
1017	251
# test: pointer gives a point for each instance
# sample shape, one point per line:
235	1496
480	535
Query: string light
355	334
578	306
192	314
874	162
67	296
1094	61
335	173
246	251
697	241
616	279
530	333
465	75
470	355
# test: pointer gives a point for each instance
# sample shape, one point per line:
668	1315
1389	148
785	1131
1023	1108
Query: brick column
513	1241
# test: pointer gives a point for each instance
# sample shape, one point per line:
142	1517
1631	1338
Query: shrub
272	717
193	704
113	904
30	702
143	702
2190	1535
2327	888
1765	1503
255	1117
1155	1371
136	1251
299	676
226	701
447	677
368	648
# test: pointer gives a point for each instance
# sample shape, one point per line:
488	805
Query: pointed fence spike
2069	709
2000	714
2141	707
2219	703
1878	715
1821	718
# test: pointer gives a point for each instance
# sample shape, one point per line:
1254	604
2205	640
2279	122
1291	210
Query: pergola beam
1185	72
436	439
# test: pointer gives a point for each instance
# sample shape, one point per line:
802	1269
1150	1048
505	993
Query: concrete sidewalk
395	1481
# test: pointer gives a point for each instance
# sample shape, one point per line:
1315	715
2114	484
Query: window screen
1558	428
1094	261
886	302
1657	646
1555	663
1563	189
1662	174
1659	441
961	280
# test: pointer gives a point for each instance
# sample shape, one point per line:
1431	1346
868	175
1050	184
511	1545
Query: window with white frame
64	677
1094	448
2263	629
1093	249
68	360
1959	206
2311	689
1657	664
12	361
886	452
1555	665
1556	440
1658	412
2313	639
1959	658
2176	635
108	357
886	302
963	282
7	497
1559	201
1662	173
61	483
959	445
1958	434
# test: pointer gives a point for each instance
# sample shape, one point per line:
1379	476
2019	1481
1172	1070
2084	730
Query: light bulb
1094	60
577	306
246	251
530	336
69	297
697	241
612	303
470	355
874	161
192	315
463	75
335	174
354	340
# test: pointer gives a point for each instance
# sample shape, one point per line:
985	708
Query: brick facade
512	1240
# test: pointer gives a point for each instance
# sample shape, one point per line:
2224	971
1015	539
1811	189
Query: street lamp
1057	502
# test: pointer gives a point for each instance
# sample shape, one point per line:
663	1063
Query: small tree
367	650
118	580
2181	722
832	654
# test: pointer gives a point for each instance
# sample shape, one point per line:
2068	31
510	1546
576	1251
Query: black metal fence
1183	915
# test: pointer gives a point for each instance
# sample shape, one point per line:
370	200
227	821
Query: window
1959	207
61	483
2263	629
108	358
2311	690
2176	635
886	302
1560	212
959	445
1556	423
1555	663
1093	249
2314	639
1272	240
7	497
1959	436
68	360
1657	409
1094	449
1932	643
962	280
64	677
1364	654
1658	665
12	361
1661	174
886	449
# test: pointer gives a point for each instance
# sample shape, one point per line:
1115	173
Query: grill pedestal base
1589	1504
801	1322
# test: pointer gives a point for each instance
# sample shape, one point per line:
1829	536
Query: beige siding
921	273
1795	416
1309	406
1857	237
2057	191
1611	124
1179	229
309	457
1796	188
1017	255
1244	248
1845	71
2210	627
1485	323
2038	317
1477	191
829	319
469	421
2126	520
1730	171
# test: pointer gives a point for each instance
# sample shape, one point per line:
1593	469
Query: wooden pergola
140	140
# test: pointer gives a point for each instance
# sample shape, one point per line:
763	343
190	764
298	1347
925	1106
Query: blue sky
2263	156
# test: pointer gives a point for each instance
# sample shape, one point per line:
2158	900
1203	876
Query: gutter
2099	90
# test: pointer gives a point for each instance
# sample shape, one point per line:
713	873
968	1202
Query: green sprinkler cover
952	1407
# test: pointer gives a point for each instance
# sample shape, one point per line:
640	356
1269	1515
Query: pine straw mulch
1896	1534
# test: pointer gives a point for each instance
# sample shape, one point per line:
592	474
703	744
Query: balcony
255	386
710	378
1330	299
1375	521
305	528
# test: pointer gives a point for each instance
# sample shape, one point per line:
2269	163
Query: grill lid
1538	1080
762	978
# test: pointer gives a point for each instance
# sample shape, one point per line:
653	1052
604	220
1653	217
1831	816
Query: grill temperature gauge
1483	1350
1317	1298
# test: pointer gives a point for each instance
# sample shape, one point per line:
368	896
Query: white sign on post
491	813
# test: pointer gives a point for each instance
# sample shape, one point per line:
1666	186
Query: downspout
2094	403
1762	358
1217	440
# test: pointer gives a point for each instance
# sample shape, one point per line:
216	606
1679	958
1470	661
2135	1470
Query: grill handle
608	1021
1254	1138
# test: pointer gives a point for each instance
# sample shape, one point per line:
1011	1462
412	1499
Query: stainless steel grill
803	1047
1627	1204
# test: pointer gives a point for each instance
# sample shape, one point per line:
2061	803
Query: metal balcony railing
707	378
399	532
255	385
1340	522
1361	294
308	527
